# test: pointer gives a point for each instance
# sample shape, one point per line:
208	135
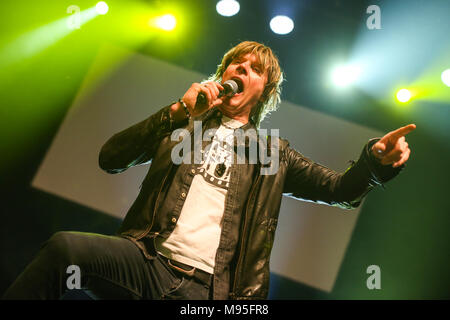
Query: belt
202	276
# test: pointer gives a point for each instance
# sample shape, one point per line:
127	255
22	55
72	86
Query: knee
60	239
59	245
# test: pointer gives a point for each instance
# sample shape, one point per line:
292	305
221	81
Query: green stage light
102	7
166	22
404	95
37	40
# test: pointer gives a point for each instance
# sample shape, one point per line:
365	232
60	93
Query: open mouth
240	84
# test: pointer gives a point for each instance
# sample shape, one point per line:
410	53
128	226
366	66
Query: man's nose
242	69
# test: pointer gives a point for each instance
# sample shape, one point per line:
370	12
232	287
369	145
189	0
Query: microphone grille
231	87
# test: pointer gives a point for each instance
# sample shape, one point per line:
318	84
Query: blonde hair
269	62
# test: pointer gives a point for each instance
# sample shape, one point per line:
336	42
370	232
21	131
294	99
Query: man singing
205	230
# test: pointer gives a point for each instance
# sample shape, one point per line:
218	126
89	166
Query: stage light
33	42
445	76
166	22
101	7
344	76
227	8
281	24
403	95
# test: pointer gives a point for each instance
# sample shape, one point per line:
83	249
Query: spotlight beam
36	41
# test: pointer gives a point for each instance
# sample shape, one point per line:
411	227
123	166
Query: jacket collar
212	118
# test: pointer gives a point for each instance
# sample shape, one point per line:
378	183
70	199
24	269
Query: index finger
403	131
218	85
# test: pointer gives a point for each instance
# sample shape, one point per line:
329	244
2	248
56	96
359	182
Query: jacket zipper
243	238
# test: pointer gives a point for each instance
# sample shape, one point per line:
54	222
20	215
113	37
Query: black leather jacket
252	204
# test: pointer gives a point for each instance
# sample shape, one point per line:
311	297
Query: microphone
230	88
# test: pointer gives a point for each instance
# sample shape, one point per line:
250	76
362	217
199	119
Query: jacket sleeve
137	144
312	181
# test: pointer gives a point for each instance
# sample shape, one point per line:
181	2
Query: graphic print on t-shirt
215	168
216	165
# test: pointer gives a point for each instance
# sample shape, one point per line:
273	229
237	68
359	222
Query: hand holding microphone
230	88
202	97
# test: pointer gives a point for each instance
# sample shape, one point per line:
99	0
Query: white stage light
344	76
281	24
403	95
227	8
445	76
101	7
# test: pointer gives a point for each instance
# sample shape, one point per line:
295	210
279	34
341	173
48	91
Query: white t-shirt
195	239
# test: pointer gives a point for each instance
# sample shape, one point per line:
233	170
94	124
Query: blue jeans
111	268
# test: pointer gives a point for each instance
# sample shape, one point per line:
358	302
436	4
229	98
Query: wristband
186	110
